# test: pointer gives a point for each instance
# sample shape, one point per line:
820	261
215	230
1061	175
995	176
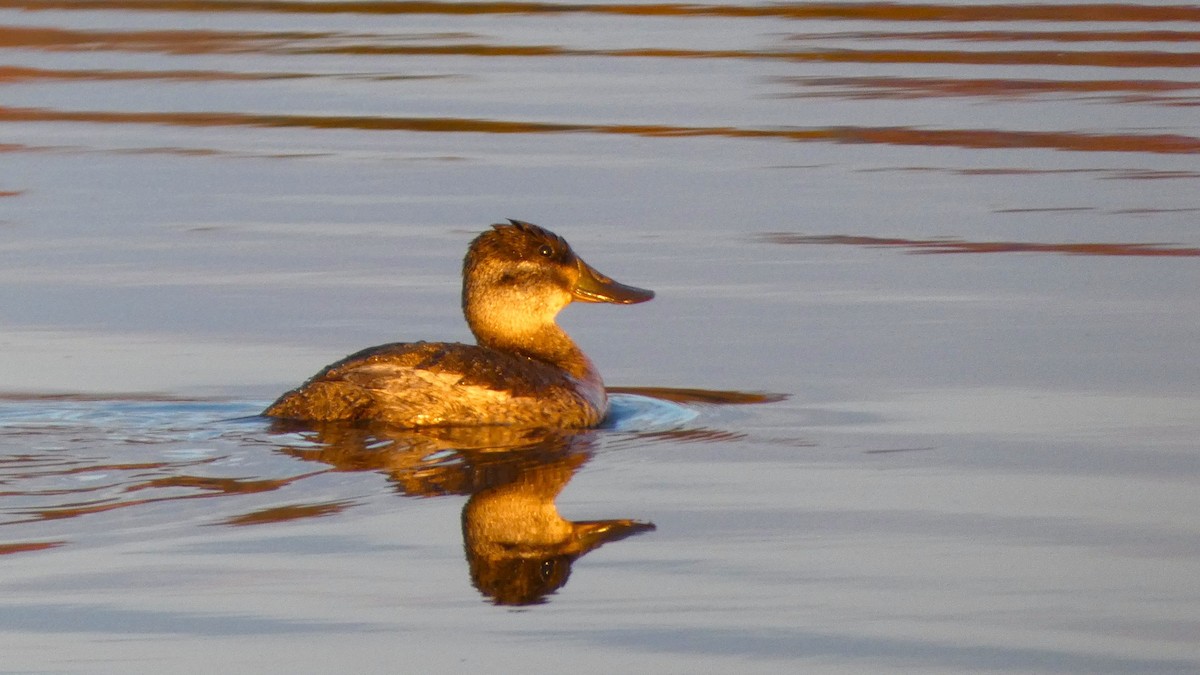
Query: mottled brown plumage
525	371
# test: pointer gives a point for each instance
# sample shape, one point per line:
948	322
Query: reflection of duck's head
516	279
523	573
518	546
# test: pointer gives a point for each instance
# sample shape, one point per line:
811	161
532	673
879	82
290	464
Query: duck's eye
545	251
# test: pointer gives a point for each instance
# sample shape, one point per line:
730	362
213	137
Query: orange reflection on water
959	246
13	74
1126	91
210	484
1102	174
181	42
279	514
869	11
1049	57
23	547
960	138
170	41
191	487
1011	36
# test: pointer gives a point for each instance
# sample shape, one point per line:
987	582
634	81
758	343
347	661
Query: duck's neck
549	344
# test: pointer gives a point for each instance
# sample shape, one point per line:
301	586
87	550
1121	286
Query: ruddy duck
525	371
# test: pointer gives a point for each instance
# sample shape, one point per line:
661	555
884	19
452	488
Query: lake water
927	278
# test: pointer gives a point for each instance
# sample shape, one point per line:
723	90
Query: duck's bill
593	286
594	533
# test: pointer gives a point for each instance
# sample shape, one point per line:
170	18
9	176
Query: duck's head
518	276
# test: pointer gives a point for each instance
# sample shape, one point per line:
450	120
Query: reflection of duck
518	546
519	549
525	371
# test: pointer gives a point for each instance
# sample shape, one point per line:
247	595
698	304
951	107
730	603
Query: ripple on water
70	461
631	412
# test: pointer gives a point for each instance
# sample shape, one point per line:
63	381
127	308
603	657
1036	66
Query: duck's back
416	384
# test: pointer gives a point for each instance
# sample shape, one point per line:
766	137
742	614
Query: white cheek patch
520	313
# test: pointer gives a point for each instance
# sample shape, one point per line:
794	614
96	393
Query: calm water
948	255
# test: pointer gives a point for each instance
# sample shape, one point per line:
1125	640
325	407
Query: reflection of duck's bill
593	533
593	286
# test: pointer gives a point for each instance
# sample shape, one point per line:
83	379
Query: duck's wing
420	383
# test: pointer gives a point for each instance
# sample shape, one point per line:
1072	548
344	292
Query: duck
523	371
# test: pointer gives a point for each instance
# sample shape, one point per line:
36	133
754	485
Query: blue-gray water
954	245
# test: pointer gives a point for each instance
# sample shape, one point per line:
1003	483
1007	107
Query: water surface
918	391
